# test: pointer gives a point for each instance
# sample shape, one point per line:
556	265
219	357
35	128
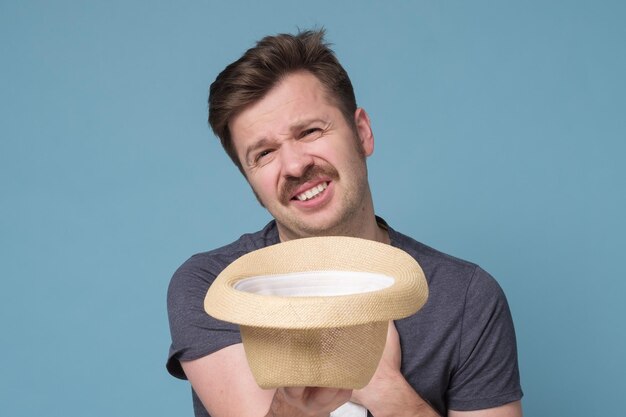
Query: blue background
500	131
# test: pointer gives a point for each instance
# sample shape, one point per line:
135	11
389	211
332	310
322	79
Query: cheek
345	154
263	182
326	151
258	192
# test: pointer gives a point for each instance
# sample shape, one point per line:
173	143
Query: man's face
304	162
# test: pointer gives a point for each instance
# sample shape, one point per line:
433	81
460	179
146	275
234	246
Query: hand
307	401
388	392
387	371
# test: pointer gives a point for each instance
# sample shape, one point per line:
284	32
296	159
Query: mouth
312	192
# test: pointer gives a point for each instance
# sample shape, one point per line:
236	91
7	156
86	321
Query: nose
295	159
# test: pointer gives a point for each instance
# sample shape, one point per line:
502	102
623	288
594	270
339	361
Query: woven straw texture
323	341
338	357
403	298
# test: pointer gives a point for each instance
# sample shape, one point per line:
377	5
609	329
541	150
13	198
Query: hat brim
403	297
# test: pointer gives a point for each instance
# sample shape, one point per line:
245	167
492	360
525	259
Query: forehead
297	97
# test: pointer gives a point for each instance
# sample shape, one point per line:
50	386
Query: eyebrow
301	124
261	143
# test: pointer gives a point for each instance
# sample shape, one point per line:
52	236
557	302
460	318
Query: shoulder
194	333
201	269
455	285
437	265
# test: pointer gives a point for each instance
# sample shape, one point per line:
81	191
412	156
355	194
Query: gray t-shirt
458	352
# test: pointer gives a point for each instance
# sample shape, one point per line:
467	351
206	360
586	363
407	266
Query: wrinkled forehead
297	99
299	81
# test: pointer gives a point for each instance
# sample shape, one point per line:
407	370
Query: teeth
309	194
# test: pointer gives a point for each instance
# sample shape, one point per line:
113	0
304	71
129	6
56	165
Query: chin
320	229
330	223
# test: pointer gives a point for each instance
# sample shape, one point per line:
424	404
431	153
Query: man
285	113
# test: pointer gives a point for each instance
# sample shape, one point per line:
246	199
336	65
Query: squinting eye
308	132
262	154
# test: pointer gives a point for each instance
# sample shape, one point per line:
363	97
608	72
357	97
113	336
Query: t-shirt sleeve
487	375
194	333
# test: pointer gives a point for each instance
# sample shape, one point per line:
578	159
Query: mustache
291	184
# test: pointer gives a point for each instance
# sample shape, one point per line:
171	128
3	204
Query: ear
364	130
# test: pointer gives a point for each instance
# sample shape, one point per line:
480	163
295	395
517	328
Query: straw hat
314	311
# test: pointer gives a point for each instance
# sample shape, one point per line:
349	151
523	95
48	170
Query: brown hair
248	79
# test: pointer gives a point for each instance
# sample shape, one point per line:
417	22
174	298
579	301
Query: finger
323	395
293	393
392	332
392	354
328	399
343	396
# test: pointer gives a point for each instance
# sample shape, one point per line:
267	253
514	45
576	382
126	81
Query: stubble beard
348	213
352	207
